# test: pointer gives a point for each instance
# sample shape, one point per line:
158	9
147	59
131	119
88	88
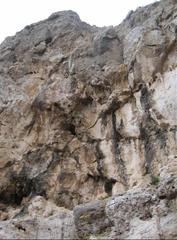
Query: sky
16	14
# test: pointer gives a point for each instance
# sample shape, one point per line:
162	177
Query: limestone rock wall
87	113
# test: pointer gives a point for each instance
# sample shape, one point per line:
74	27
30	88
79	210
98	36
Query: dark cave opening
108	186
70	127
16	191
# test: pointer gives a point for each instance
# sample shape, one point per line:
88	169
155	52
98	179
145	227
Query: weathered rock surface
88	116
39	220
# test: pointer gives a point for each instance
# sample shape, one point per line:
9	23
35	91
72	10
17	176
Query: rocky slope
88	128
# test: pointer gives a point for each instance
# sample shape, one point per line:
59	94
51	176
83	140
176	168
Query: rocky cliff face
89	114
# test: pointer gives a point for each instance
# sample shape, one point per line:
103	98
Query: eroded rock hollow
88	128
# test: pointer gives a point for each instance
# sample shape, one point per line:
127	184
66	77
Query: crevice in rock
150	131
99	158
164	56
145	98
30	126
116	137
148	147
146	128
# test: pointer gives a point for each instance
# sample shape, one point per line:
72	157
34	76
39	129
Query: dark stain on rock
116	138
99	158
148	147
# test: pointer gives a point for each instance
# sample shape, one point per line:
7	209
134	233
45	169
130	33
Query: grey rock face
88	121
137	214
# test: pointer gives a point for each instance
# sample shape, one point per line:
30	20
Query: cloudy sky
16	14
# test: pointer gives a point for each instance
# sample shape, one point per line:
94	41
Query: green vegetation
155	180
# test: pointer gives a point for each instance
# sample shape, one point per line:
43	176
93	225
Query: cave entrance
108	186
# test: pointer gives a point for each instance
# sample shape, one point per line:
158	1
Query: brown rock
88	113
